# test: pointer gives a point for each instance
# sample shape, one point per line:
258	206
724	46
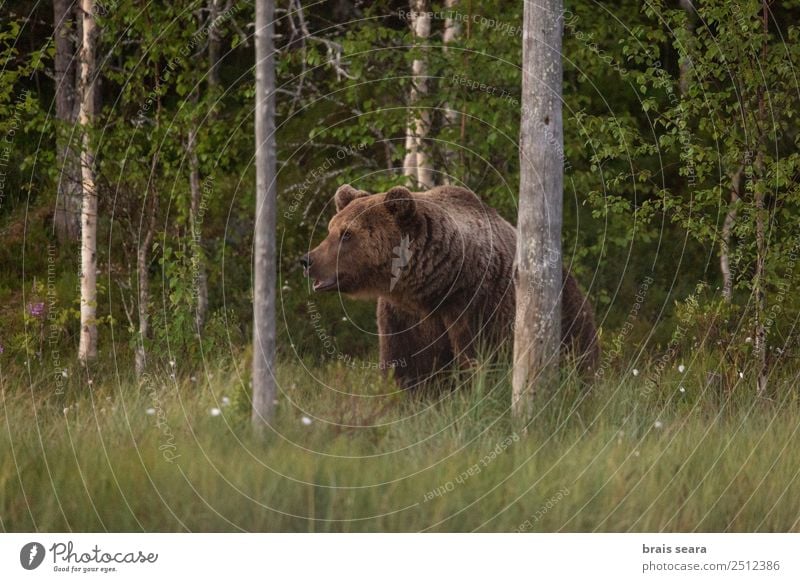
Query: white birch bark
452	31
87	349
143	272
417	164
264	294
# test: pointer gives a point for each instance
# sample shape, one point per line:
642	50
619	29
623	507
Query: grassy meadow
689	449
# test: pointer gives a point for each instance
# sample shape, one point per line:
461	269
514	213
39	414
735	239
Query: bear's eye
347	235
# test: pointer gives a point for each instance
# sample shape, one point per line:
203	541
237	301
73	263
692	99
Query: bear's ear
400	203
345	195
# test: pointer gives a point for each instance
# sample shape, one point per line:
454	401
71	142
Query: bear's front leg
415	348
462	341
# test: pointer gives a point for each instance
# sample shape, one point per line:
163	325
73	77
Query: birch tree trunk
452	30
760	332
143	270
196	204
198	258
686	60
264	385
727	232
759	294
67	220
87	349
213	43
416	164
537	334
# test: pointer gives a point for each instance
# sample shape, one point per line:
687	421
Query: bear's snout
323	278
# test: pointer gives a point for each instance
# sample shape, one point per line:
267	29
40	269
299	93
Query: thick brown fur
440	264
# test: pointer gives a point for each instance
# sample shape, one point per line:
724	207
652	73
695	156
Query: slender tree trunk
143	270
67	220
452	30
452	26
463	133
417	163
686	59
143	250
87	349
537	335
727	231
760	332
213	44
196	205
265	271
199	266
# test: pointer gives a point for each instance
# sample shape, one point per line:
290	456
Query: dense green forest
681	224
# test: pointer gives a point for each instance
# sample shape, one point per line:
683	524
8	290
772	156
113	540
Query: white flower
64	372
681	368
635	372
682	389
226	401
741	374
344	319
748	340
306	421
172	363
90	382
285	288
215	412
636	453
193	379
66	410
658	424
150	411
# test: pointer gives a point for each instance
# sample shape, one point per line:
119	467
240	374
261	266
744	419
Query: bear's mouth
325	284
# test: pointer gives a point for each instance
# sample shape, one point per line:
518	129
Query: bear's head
368	244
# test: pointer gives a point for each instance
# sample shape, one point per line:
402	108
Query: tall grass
348	452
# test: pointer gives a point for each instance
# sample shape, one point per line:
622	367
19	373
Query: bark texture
264	383
727	232
87	349
452	31
67	219
538	258
759	294
143	271
417	163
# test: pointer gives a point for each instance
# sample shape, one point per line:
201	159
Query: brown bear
440	264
